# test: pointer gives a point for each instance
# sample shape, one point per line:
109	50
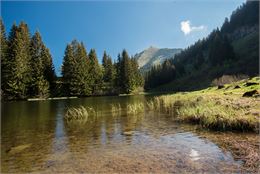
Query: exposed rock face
154	56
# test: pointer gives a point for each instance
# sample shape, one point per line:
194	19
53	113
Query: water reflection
60	138
148	142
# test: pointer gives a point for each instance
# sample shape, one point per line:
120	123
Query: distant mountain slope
232	49
154	56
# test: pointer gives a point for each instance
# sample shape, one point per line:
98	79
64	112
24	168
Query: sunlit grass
80	114
221	109
116	109
135	108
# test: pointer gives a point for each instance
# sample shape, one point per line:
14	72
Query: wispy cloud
187	28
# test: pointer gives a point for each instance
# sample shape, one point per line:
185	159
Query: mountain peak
154	56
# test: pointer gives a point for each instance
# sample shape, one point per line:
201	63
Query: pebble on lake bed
17	149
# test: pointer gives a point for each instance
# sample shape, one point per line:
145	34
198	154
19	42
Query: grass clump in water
135	108
116	109
80	114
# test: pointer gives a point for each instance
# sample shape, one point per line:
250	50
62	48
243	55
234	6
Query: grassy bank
222	108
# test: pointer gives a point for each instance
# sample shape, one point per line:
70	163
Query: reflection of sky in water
147	138
60	139
187	144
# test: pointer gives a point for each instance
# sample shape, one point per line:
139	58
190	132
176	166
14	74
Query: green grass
135	108
221	109
79	114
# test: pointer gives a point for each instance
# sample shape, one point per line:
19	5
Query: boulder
220	86
250	93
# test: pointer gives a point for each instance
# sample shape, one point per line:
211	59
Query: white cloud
186	27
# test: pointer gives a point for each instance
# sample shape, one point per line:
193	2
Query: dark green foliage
18	62
27	69
220	50
109	69
48	69
4	60
26	64
246	15
75	69
39	86
137	77
109	74
128	75
160	74
95	72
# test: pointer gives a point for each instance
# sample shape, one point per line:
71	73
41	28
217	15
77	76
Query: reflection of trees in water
27	123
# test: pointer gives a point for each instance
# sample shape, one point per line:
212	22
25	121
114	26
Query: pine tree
109	71
19	56
128	77
48	68
220	50
75	70
67	69
94	72
105	66
3	56
226	26
39	86
138	78
119	73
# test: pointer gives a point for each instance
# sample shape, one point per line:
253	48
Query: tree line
27	69
210	57
82	75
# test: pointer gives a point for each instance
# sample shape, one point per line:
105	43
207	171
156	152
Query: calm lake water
36	138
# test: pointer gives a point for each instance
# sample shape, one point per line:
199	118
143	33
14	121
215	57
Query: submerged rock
17	149
128	133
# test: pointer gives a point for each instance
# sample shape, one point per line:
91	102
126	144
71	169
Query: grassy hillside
232	106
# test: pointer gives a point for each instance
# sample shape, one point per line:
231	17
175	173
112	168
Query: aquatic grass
116	109
135	108
80	114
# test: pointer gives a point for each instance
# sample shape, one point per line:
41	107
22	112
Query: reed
116	109
80	114
135	108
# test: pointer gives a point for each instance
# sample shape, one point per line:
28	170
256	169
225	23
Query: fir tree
48	68
75	70
3	56
19	56
109	70
95	72
39	86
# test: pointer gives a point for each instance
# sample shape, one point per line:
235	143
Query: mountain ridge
153	56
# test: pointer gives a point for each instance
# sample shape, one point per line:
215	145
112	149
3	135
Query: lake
36	138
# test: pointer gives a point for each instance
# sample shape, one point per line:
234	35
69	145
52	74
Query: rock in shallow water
17	149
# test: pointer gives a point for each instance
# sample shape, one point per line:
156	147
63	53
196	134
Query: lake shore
232	107
227	107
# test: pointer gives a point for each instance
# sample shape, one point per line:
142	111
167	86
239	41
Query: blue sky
114	25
